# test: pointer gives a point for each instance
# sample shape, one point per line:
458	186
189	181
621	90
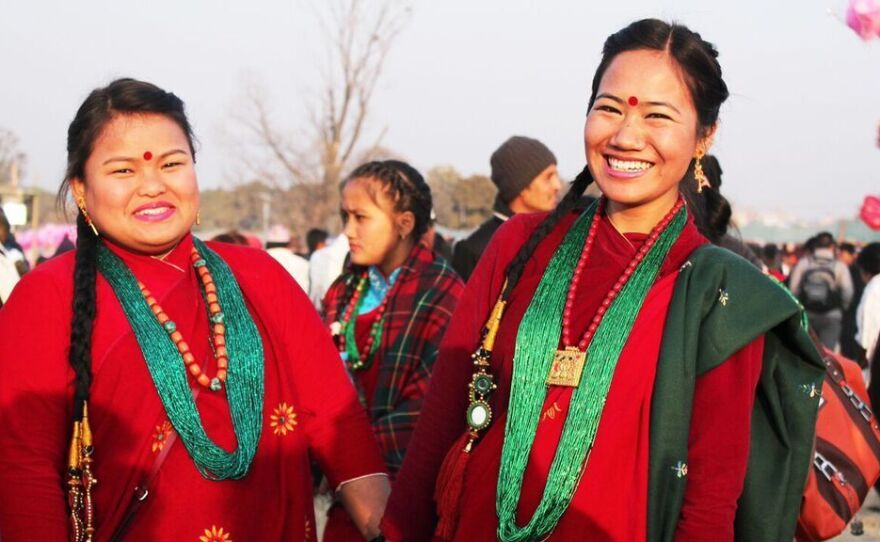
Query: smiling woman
601	378
199	379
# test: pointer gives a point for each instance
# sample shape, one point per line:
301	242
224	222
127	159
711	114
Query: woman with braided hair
199	379
608	373
389	309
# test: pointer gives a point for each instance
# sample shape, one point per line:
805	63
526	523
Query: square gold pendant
566	368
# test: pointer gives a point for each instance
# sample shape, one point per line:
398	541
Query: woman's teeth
628	165
153	211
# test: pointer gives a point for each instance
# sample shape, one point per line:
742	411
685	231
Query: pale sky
798	133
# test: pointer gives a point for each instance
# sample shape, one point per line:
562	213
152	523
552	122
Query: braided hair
711	210
408	192
698	60
121	97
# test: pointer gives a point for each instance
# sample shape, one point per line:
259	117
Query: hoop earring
81	203
699	175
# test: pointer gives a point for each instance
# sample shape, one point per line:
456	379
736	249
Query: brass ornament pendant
567	367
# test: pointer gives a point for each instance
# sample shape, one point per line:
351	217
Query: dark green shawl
701	332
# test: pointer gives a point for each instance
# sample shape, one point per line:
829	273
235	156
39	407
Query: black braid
404	185
84	274
568	203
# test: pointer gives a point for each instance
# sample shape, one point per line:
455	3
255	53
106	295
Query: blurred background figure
316	238
868	316
823	285
849	347
233	237
278	246
325	266
524	170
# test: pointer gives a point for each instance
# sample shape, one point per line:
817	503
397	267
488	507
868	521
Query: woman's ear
78	188
405	223
705	142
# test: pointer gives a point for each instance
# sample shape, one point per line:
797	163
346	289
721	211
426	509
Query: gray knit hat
516	163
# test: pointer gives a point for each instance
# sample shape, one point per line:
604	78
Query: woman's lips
154	212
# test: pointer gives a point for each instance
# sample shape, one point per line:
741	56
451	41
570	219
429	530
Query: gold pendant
567	367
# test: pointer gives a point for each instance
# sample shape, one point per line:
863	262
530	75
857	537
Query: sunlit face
144	205
370	222
639	153
542	193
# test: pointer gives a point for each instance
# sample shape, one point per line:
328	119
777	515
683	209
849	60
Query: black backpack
818	291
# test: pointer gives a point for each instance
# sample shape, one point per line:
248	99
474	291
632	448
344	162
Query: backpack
846	455
818	291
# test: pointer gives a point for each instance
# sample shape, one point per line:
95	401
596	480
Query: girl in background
390	308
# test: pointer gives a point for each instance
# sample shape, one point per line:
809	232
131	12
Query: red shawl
611	501
305	386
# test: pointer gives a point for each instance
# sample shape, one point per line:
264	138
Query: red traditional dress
610	503
310	410
394	385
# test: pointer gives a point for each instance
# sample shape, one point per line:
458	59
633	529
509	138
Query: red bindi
633	101
149	156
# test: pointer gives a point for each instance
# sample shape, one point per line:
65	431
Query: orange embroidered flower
308	531
215	535
160	435
283	420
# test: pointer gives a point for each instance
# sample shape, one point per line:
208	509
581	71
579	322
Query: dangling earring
81	203
198	218
702	180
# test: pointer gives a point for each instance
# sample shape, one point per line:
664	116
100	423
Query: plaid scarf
415	320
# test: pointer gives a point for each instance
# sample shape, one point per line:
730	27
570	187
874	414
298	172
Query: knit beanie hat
516	163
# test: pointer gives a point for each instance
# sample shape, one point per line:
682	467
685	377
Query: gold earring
702	180
198	218
81	203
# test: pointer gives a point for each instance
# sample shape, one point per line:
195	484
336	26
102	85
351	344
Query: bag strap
142	490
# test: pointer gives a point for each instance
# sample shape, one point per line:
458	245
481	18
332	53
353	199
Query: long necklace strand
245	378
537	339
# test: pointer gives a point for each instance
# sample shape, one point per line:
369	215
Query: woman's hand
364	499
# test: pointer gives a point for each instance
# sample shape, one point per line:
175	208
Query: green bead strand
536	342
245	384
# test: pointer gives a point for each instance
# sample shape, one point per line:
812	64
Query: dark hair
233	237
404	185
823	240
698	60
847	247
869	259
710	209
315	237
102	105
408	191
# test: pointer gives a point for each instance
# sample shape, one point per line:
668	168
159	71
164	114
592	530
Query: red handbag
846	460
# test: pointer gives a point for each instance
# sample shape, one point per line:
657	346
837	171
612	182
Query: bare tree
308	163
12	159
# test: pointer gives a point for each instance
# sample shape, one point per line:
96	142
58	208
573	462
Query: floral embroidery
681	469
283	420
160	435
723	297
552	411
215	535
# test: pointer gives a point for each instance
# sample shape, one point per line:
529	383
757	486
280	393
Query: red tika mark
633	101
149	156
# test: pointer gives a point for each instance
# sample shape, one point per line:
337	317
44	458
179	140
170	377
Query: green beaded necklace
536	342
245	380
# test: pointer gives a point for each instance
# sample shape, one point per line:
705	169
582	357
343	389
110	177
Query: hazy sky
798	133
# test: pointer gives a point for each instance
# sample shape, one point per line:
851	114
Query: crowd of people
611	367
